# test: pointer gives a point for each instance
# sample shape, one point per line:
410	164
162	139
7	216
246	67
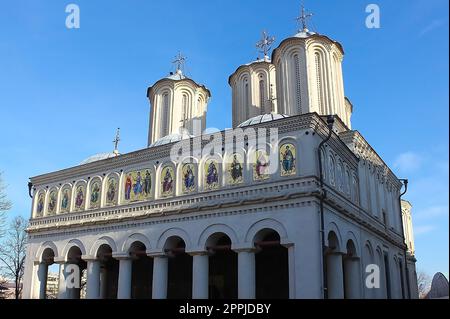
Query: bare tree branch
12	253
423	283
5	205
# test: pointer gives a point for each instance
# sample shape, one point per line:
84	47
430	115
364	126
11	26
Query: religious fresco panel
167	181
80	196
52	202
288	160
66	195
138	185
112	190
235	169
95	193
260	165
40	204
189	178
211	175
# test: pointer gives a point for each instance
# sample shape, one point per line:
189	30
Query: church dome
177	76
98	157
305	33
262	119
172	138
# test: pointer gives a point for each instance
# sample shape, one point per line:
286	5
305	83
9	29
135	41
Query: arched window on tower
164	116
298	87
185	110
262	95
319	82
246	99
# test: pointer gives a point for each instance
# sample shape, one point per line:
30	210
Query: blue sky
64	92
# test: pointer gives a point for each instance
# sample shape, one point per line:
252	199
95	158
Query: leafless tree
423	283
12	253
5	205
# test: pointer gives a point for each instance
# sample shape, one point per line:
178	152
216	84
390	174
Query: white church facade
302	216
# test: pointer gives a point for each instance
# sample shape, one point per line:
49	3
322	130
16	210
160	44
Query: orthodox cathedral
311	212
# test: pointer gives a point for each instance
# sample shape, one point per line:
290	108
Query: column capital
198	253
59	260
156	253
121	256
89	258
351	258
246	250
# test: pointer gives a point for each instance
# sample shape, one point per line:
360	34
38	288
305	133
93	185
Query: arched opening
271	266
142	270
47	259
223	277
78	290
109	272
351	272
179	281
334	271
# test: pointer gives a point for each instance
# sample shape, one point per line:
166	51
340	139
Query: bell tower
176	101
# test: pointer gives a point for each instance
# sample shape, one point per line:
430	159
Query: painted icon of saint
95	193
111	193
189	178
65	200
147	183
40	205
52	202
236	169
288	161
128	185
261	164
167	182
213	176
137	187
80	197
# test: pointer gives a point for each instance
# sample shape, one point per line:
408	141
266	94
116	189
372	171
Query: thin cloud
422	230
432	26
408	162
432	212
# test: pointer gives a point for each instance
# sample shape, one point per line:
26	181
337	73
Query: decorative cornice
362	149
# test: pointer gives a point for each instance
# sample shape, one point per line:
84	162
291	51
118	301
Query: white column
246	274
352	282
291	261
62	290
42	276
103	283
335	276
124	284
200	276
160	269
93	279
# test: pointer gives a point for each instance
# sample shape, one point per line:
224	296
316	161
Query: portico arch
179	280
109	269
141	271
334	266
222	270
271	265
351	268
46	258
217	228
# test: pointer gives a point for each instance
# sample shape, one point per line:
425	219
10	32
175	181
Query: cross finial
264	45
303	19
116	142
179	61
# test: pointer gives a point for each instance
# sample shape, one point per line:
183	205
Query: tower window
319	82
298	86
262	96
164	118
184	115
